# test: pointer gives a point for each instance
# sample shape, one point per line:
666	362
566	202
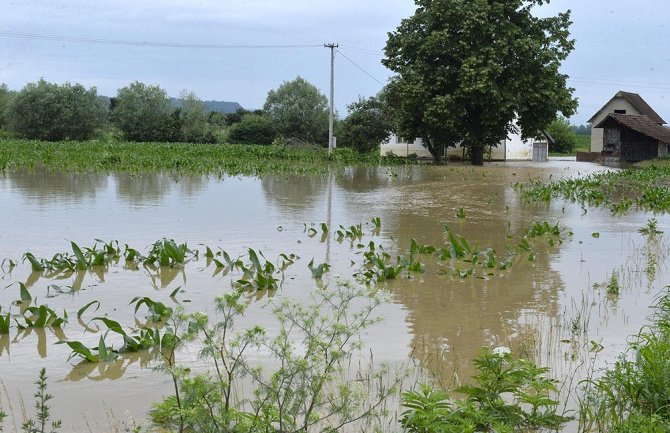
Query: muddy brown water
549	309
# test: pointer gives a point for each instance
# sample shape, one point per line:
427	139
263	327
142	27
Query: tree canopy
368	123
467	68
298	111
144	113
54	112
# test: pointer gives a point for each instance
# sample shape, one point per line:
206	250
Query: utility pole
332	94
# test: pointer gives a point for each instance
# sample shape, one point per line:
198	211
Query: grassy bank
216	159
645	189
633	396
583	145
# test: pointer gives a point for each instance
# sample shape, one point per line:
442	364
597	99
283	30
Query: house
622	103
514	148
632	138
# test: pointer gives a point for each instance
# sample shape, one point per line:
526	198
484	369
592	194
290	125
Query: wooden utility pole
332	94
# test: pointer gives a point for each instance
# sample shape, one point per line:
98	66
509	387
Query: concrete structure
514	148
621	103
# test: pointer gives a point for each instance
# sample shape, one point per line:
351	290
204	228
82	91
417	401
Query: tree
298	111
252	129
5	97
53	112
367	125
194	125
564	137
144	113
467	68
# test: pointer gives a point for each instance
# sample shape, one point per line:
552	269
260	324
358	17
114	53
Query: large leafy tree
144	113
299	112
467	68
50	111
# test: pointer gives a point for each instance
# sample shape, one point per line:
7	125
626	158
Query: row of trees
296	112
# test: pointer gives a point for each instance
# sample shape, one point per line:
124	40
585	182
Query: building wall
597	133
402	147
514	149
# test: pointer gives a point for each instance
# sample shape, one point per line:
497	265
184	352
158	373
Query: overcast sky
620	45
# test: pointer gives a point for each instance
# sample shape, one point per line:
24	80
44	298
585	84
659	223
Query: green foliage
618	190
144	113
215	159
509	395
5	98
299	112
308	392
467	69
252	129
651	230
48	111
42	422
634	394
194	120
564	137
368	124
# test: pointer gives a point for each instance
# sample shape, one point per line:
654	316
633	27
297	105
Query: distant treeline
294	113
581	129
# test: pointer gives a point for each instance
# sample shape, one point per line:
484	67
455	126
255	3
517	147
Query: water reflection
148	188
44	187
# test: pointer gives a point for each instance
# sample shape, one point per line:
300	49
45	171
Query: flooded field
549	302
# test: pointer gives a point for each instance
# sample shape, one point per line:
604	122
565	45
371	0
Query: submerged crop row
646	189
188	158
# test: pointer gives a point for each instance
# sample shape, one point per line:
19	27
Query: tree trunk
433	150
477	155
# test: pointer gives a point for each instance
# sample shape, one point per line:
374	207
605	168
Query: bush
510	395
564	137
252	129
48	111
368	124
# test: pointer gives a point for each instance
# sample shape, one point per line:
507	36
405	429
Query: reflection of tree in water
294	193
44	186
152	187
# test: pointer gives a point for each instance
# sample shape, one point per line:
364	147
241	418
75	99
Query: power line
361	50
360	67
117	42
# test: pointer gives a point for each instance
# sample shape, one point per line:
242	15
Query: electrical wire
360	67
87	40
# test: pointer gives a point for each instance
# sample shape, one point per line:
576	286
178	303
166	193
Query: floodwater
549	309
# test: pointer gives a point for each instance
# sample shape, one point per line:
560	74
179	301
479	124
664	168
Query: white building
514	148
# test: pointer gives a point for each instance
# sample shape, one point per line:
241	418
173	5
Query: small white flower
501	351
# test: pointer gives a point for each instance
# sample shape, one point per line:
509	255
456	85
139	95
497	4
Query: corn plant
156	311
318	270
167	252
41	317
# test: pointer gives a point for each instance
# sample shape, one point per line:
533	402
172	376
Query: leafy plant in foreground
509	395
43	422
309	392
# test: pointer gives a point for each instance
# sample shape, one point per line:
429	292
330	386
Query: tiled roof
638	103
642	124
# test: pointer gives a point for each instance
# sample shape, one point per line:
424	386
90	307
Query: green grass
583	145
633	395
215	159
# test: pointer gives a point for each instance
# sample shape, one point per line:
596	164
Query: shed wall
597	133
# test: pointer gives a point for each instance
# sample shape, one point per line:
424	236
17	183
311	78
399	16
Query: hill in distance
217	106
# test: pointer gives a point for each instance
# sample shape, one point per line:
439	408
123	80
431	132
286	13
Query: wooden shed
633	137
